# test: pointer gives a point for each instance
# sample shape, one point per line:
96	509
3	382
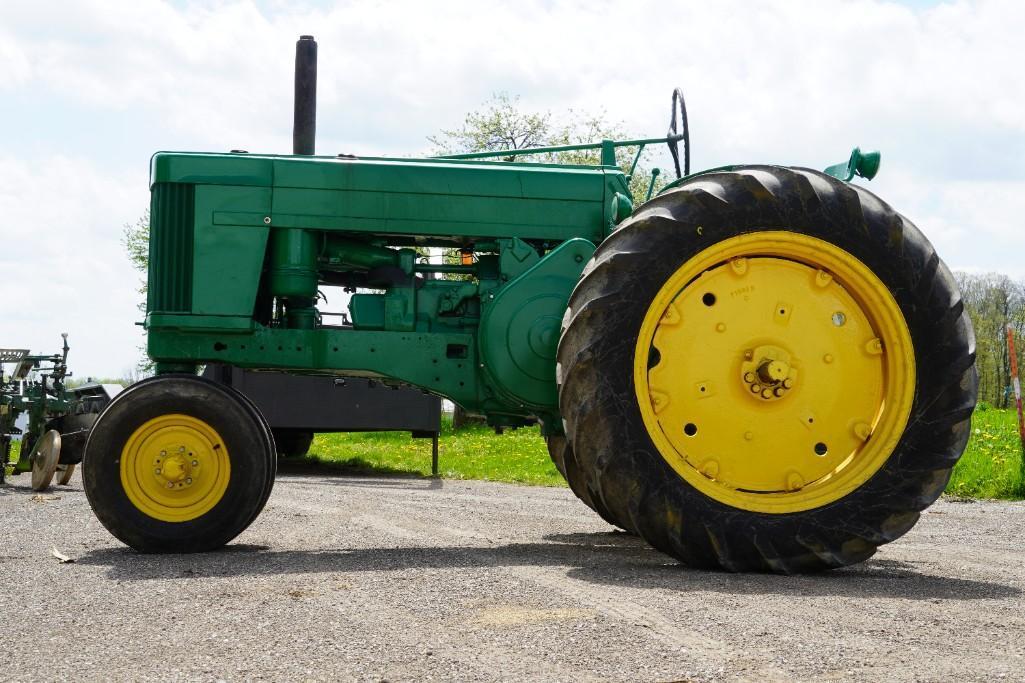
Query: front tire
817	337
178	464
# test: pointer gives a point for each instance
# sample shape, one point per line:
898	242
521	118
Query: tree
501	124
993	302
135	238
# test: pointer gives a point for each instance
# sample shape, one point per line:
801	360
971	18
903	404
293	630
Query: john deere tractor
759	368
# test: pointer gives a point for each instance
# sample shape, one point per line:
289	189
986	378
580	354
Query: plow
755	368
58	418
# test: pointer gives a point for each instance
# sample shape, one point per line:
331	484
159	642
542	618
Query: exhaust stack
304	127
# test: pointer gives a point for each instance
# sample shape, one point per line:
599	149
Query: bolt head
195	463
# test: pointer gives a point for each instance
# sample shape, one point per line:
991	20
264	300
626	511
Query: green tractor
758	368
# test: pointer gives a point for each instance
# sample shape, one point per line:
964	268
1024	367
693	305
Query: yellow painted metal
175	468
774	372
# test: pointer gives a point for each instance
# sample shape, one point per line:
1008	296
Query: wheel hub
767	373
776	378
175	467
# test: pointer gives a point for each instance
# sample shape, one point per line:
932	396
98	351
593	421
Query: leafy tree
135	239
993	302
501	123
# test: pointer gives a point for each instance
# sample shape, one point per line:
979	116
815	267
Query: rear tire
621	466
178	464
561	454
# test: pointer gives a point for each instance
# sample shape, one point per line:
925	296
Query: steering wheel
679	107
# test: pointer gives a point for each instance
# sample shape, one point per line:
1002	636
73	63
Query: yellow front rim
774	372
175	468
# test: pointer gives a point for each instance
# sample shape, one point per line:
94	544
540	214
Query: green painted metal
862	164
242	243
603	145
519	327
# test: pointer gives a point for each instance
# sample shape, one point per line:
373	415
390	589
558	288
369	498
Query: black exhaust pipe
304	127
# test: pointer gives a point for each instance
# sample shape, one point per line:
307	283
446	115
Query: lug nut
158	470
189	480
788	383
767	393
756	388
779	391
195	463
749	377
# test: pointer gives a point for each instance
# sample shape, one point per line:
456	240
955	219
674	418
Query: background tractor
59	418
759	368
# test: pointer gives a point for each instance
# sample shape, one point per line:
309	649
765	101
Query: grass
991	466
475	452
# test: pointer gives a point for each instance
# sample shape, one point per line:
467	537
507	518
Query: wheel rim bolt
756	388
749	377
195	463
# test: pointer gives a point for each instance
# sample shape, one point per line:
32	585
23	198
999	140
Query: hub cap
175	468
774	372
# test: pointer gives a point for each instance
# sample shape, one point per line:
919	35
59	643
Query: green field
475	452
990	468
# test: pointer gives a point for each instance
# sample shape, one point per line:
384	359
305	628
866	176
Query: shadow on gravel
355	466
602	558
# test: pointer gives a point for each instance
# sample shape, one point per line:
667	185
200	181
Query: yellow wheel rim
175	468
774	372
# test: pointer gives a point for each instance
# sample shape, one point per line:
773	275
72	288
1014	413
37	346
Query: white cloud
63	267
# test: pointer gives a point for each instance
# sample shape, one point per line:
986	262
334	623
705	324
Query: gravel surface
393	579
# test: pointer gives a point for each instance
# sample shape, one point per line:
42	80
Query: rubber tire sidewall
604	423
249	449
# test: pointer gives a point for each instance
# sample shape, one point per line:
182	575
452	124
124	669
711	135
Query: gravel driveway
394	579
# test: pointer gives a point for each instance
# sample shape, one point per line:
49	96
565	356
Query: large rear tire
178	464
797	379
562	456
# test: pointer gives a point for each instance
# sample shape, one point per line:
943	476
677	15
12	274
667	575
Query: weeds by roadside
992	464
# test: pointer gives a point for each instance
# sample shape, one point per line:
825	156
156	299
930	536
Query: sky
89	89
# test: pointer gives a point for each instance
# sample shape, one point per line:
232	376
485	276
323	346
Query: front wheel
799	377
178	464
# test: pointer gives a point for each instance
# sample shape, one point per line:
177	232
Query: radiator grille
172	217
